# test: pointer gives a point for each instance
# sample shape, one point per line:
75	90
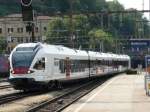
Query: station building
14	31
137	49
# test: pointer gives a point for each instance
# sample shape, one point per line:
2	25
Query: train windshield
22	59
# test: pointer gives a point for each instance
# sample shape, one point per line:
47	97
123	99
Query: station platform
123	93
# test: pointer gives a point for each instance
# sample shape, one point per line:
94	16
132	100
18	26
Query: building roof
13	16
139	39
17	15
43	17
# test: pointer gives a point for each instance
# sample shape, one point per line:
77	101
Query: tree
60	27
3	45
95	26
99	36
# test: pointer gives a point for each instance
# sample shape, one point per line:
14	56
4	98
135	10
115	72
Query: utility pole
71	40
143	4
143	21
33	35
102	17
149	9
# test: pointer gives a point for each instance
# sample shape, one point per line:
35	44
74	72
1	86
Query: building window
132	49
20	30
27	40
24	39
39	39
148	49
45	29
18	40
0	30
10	30
138	49
36	29
21	40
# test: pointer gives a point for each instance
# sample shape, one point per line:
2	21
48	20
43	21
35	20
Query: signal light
26	2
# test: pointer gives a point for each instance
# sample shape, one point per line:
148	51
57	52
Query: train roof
65	51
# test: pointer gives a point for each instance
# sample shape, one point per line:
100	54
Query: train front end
22	74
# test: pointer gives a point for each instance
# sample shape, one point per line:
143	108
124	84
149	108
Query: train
43	65
4	66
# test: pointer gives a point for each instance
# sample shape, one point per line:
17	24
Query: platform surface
123	93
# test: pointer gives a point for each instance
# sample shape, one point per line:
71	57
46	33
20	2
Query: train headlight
30	71
12	71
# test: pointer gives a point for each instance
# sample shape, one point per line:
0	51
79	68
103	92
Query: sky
138	4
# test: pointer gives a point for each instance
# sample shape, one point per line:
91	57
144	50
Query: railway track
5	86
4	99
16	96
4	80
59	103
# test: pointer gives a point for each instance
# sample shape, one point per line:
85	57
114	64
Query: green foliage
94	27
98	35
3	45
55	25
9	7
98	28
59	29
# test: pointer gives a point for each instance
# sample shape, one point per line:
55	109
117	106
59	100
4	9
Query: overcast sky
138	4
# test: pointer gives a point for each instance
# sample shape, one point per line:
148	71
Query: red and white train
42	64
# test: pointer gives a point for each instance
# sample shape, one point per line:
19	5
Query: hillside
48	6
9	6
13	6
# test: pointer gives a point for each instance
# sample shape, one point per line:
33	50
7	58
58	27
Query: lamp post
149	9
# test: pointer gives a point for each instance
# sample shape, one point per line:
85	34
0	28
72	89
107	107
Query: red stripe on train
20	70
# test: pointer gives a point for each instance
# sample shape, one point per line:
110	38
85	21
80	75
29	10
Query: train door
68	67
56	69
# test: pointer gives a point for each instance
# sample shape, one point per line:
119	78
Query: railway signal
27	11
26	3
27	15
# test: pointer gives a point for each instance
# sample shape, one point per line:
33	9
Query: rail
58	103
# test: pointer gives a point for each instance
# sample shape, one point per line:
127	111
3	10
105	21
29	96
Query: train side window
40	64
56	63
62	66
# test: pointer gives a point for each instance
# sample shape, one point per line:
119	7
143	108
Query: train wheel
58	85
51	85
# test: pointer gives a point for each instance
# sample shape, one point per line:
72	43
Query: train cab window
40	64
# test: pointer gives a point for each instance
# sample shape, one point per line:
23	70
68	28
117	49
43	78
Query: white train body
41	63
